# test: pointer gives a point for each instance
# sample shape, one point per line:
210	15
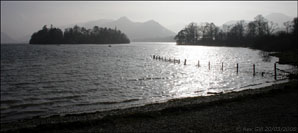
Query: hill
6	39
136	31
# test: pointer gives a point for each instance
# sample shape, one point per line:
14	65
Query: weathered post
198	63
209	65
184	61
237	68
275	71
222	66
254	69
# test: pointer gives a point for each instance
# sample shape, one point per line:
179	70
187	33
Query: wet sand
268	109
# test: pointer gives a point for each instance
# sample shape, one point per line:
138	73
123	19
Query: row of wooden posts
156	57
168	60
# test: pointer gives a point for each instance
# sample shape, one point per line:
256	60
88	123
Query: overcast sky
21	18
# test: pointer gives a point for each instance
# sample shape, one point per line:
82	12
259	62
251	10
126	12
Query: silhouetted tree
260	23
295	26
189	35
181	37
251	30
288	26
47	36
270	27
294	32
193	33
237	32
259	34
209	31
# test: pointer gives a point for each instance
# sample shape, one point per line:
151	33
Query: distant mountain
136	31
6	39
176	27
232	22
278	18
24	39
89	24
159	39
227	25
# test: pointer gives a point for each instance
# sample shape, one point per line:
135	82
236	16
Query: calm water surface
38	80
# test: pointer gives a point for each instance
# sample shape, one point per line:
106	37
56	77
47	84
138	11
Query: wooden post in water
275	71
222	66
198	63
209	65
174	60
254	69
184	61
237	68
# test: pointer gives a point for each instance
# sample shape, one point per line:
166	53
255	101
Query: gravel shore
268	109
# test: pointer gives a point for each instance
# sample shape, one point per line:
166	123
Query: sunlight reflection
188	80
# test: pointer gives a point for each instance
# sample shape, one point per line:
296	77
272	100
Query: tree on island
259	34
193	33
47	36
78	35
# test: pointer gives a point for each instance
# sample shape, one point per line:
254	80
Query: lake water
39	80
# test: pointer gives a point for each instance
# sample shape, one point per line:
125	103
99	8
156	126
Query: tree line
259	33
78	35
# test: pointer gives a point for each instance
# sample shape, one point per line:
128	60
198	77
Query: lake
45	80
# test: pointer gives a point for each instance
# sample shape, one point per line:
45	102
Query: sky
21	18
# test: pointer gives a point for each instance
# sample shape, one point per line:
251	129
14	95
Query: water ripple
41	80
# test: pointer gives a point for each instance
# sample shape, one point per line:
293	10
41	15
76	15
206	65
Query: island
78	35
